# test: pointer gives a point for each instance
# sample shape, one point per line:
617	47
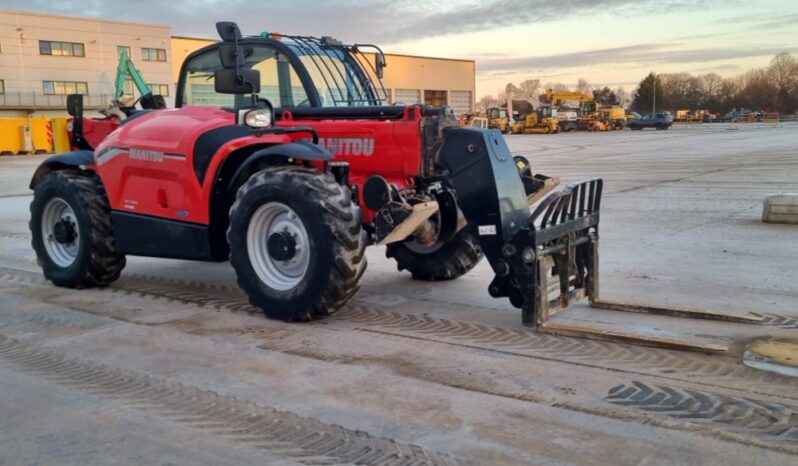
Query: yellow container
61	142
41	135
23	135
11	135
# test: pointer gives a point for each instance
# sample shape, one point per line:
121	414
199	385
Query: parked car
661	121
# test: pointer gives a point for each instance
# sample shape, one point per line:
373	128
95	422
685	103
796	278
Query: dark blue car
660	121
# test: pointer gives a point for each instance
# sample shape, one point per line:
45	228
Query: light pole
654	95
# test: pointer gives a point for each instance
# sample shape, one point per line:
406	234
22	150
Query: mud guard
82	159
300	150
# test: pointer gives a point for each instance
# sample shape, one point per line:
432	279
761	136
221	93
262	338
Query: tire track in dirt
775	421
305	439
664	364
465	331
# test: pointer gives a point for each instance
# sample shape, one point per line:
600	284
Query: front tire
445	261
71	230
296	243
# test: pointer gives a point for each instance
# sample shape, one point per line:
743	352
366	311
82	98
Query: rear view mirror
75	105
379	64
228	31
242	81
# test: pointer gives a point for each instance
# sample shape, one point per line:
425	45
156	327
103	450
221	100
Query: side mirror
228	31
379	64
243	81
75	105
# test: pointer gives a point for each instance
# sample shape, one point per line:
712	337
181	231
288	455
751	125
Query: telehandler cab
281	157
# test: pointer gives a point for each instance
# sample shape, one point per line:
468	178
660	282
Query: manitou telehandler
281	158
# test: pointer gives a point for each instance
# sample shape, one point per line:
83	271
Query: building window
2	87
153	54
61	49
64	87
122	48
160	89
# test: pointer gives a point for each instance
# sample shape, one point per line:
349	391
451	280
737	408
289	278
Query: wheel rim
58	214
273	218
419	248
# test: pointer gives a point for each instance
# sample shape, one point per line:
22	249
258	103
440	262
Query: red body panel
95	130
389	148
147	165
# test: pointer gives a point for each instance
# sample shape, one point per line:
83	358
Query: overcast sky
613	42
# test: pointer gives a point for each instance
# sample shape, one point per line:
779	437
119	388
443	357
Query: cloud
776	23
642	54
386	21
347	19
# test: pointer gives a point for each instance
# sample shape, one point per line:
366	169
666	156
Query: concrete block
781	208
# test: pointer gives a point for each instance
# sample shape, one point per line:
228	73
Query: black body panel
209	143
142	235
479	166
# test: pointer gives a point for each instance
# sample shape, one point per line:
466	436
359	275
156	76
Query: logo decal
348	146
110	153
146	155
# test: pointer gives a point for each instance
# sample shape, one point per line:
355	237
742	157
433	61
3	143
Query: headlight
260	118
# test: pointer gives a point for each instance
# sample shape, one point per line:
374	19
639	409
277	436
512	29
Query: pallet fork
549	259
565	238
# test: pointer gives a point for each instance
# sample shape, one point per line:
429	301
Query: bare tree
530	86
623	96
487	102
711	83
555	86
583	86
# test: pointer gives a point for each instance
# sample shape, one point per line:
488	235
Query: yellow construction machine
498	119
541	121
592	116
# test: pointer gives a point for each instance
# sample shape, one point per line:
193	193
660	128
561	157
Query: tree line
771	89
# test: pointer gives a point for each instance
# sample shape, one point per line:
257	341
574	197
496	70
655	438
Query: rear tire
326	261
446	261
71	230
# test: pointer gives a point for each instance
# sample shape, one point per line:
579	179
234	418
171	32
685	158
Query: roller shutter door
407	96
460	101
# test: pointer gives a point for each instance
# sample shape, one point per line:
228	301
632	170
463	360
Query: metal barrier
37	101
688	121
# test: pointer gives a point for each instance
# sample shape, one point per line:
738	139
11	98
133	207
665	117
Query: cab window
279	82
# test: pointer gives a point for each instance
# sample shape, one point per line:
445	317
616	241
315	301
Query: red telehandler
281	157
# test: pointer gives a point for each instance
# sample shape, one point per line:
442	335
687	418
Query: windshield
344	77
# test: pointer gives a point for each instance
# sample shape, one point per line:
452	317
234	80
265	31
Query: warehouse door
407	96
460	102
435	98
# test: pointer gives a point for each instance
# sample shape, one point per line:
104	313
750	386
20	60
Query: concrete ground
170	365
